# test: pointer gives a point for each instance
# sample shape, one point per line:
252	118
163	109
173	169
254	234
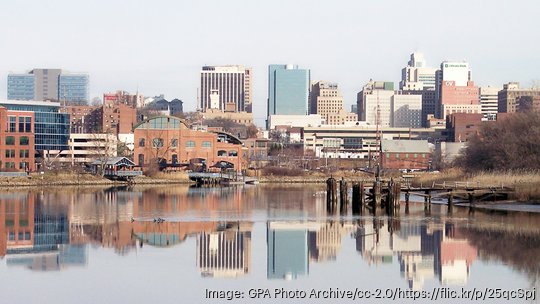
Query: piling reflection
55	230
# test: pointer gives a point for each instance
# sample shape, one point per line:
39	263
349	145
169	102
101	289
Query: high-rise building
508	97
226	85
456	93
419	79
489	102
73	88
20	87
49	84
288	90
326	100
393	109
416	75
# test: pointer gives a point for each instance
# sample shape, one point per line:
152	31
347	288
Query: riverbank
75	179
525	183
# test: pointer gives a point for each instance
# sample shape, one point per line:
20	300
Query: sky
159	46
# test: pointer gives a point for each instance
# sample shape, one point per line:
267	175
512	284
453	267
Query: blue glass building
20	86
288	90
73	88
51	128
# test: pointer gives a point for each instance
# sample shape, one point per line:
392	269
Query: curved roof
148	120
230	138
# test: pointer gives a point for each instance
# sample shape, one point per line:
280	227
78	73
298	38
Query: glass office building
50	127
288	90
73	88
20	86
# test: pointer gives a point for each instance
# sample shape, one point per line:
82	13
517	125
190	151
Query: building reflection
292	245
425	251
37	234
226	252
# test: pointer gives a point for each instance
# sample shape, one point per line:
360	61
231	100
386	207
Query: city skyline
125	55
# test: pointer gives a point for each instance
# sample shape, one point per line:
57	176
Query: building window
397	155
206	144
222	153
21	124
423	155
233	153
174	142
415	155
24	153
23	140
157	142
141	159
190	144
387	155
10	153
406	155
174	159
12	123
23	165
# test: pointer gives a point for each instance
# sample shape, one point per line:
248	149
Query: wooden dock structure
386	195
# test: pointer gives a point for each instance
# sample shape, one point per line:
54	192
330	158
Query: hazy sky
159	46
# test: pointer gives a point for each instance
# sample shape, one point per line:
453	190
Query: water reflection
55	230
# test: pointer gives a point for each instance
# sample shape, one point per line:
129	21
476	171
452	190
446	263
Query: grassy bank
74	179
526	183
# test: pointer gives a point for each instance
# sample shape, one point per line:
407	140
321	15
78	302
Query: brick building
17	142
405	154
461	126
169	141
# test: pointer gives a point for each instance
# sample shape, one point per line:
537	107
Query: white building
457	71
229	84
417	75
301	121
489	101
84	148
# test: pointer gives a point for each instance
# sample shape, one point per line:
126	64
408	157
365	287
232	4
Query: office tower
488	102
49	84
508	98
416	75
419	79
374	100
51	128
326	100
227	86
288	90
73	88
456	93
224	253
406	111
20	87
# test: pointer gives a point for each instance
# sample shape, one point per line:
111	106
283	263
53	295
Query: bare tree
104	148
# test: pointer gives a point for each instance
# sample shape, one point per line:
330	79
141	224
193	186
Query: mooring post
450	200
397	196
329	191
390	199
407	199
376	194
362	196
343	195
356	198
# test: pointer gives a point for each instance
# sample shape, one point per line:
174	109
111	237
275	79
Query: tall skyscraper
49	84
225	87
456	93
288	90
419	79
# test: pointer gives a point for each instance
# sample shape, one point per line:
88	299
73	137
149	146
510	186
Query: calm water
109	246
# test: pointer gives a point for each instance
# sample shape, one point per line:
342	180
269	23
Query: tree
105	148
510	143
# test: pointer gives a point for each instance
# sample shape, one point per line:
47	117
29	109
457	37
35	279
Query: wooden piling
356	199
343	195
450	200
331	194
390	199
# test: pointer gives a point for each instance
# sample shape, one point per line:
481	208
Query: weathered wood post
450	200
407	196
376	194
390	199
397	196
356	200
362	196
343	195
330	194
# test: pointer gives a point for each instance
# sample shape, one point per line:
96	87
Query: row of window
22	236
406	155
11	165
23	140
174	157
25	124
10	153
159	143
